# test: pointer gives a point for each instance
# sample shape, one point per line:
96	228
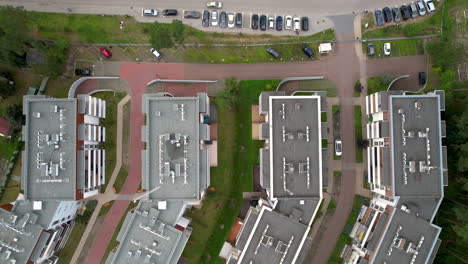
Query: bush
14	115
56	57
379	83
7	84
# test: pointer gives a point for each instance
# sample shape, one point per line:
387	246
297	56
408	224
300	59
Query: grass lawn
113	242
331	205
7	147
237	155
319	85
399	48
344	238
358	131
105	209
323	117
379	83
10	193
335	114
66	254
120	180
110	122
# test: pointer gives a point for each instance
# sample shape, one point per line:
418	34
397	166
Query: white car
387	49
421	8
214	4
230	20
214	19
150	12
288	23
155	53
271	23
297	24
430	6
338	147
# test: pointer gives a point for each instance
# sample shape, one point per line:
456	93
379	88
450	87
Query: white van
155	53
150	12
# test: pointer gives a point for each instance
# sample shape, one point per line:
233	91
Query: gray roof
49	159
423	207
172	158
271	242
416	145
18	235
295	146
406	235
45	215
144	238
249	223
299	210
264	100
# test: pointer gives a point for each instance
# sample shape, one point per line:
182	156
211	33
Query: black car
273	53
192	14
169	12
83	72
223	20
279	23
239	20
263	22
255	21
308	51
387	14
405	12
370	49
422	78
206	18
305	23
379	17
396	14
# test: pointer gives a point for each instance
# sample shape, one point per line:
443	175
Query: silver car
421	8
214	18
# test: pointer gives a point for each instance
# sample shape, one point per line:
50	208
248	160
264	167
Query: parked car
231	19
296	24
150	12
105	52
379	17
413	10
273	53
422	78
288	23
396	14
192	14
239	20
155	53
421	8
263	22
370	49
255	21
305	23
279	23
223	20
169	12
308	51
405	12
83	72
430	6
214	4
387	48
387	15
338	147
214	18
271	23
206	18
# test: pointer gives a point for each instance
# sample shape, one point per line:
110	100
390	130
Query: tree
462	230
362	143
160	36
7	84
177	29
14	115
230	95
56	57
14	35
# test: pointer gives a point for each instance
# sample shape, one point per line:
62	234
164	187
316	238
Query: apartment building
64	158
407	174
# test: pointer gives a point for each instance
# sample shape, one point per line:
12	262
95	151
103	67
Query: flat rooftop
295	146
144	238
416	145
171	158
49	159
407	238
271	242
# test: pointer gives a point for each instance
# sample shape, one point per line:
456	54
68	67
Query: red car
105	52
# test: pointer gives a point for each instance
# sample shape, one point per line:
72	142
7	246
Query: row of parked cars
420	8
279	23
222	20
305	48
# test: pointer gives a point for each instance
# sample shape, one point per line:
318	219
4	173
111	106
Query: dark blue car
279	23
379	17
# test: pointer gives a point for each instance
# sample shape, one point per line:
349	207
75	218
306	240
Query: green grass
331	205
8	146
358	131
378	83
120	180
10	193
344	238
237	154
105	209
399	48
65	255
324	117
335	108
110	122
113	242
